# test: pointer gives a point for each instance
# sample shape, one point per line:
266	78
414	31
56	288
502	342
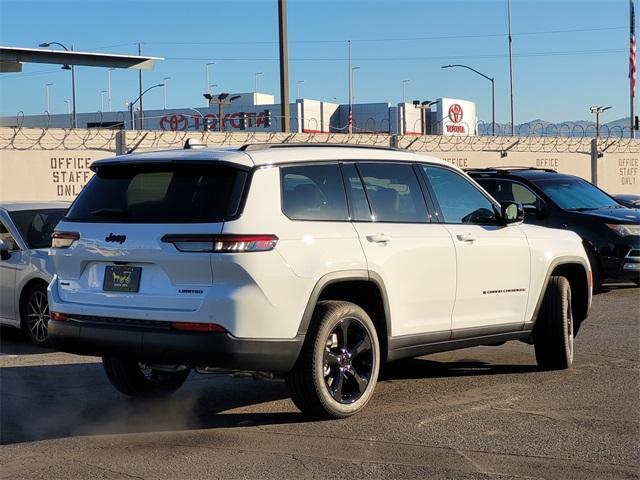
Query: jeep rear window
160	194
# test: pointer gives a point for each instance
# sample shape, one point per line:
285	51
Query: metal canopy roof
12	58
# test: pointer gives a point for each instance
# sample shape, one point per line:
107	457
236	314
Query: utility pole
513	127
48	96
284	66
350	116
632	66
109	85
140	90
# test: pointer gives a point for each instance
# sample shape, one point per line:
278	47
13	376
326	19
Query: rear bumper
161	344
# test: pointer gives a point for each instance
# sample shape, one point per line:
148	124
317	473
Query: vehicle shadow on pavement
58	401
14	342
420	368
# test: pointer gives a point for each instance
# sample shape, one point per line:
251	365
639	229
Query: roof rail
248	147
508	169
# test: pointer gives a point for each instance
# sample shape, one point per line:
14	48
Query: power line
392	39
411	58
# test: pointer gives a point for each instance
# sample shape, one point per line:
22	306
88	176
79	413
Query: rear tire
337	370
35	315
136	380
554	331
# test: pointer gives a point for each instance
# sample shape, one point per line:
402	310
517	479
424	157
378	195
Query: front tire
35	315
554	330
135	379
337	370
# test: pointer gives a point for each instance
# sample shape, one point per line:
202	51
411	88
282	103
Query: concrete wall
37	164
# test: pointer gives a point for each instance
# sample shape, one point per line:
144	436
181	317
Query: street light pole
48	96
102	92
255	81
493	93
513	127
74	119
109	85
68	102
597	111
404	82
207	84
131	104
221	100
350	115
164	82
298	83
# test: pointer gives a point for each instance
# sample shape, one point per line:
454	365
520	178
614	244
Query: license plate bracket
119	278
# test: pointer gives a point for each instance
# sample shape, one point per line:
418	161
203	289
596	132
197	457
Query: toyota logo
455	113
174	122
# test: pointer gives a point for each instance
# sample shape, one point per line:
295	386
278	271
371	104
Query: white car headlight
624	230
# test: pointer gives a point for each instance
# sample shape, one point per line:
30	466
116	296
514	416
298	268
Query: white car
25	269
318	262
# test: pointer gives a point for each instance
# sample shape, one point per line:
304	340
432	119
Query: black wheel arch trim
555	263
344	276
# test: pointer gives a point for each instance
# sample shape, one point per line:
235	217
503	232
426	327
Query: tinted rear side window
393	192
160	194
36	226
313	192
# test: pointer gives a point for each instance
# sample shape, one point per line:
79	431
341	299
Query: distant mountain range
579	128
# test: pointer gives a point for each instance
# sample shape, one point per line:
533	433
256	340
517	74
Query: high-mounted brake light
64	239
221	243
198	327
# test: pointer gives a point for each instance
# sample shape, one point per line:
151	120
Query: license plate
122	279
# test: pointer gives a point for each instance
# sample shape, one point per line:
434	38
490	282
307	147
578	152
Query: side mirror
512	212
5	254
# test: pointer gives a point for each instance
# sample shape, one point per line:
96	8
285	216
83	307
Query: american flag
350	121
632	52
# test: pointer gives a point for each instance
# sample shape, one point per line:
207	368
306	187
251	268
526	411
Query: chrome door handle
466	237
378	238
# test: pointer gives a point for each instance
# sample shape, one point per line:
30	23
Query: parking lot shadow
415	368
57	401
14	342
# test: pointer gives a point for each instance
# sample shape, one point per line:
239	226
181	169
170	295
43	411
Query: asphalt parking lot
485	412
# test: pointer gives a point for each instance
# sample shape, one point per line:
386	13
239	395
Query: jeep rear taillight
221	243
64	239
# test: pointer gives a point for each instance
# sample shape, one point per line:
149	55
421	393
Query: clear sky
568	54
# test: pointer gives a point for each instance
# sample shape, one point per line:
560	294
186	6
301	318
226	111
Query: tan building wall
52	164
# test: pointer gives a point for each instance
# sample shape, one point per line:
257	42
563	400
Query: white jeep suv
319	262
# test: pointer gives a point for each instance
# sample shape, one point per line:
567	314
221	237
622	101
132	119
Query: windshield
160	194
576	194
36	226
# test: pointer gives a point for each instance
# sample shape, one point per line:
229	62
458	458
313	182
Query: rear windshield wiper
110	212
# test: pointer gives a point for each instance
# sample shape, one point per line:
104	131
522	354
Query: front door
493	260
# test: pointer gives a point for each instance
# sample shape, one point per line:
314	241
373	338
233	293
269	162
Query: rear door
493	261
122	215
414	257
